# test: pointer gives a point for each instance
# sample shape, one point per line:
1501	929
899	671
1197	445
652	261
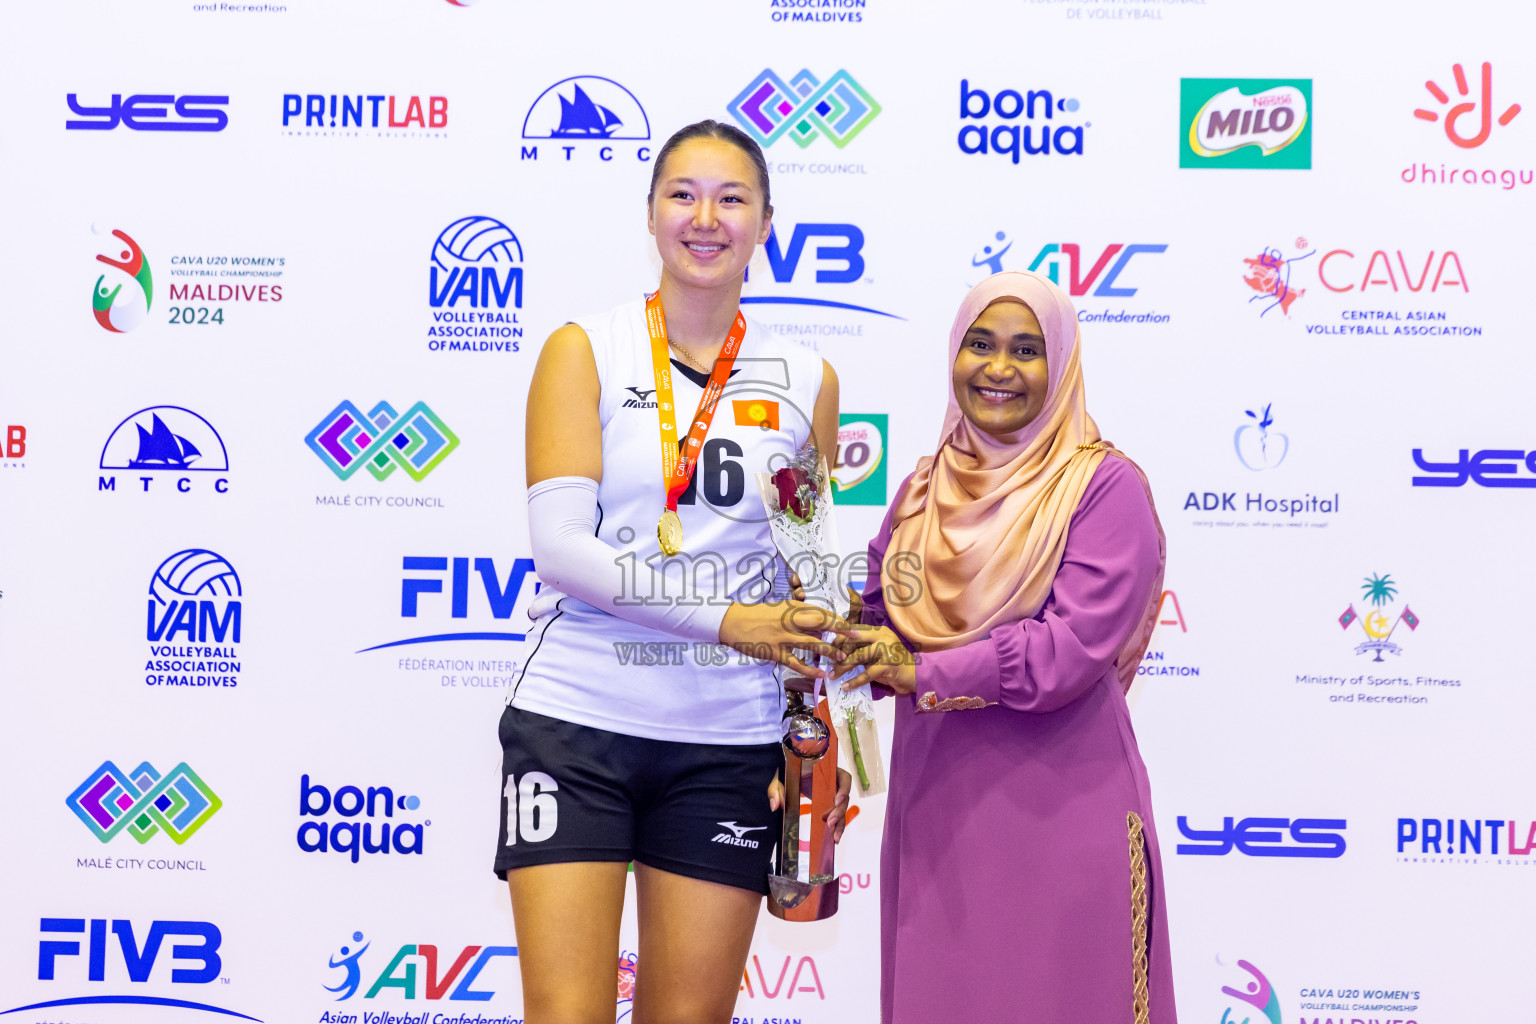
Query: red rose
795	491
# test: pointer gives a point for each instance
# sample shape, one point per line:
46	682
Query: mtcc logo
587	108
116	310
476	274
1456	113
805	108
383	440
164	439
1379	624
1258	447
144	802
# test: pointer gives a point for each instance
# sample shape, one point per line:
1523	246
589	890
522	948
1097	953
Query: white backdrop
1265	723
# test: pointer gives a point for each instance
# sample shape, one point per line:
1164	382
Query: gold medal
669	532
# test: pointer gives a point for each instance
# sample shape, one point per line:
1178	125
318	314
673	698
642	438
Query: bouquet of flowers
798	498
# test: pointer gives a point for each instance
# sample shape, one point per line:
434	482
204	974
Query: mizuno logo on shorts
738	830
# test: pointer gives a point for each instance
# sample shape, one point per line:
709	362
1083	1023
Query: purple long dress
1006	870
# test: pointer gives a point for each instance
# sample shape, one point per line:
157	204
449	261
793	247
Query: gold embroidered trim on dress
1139	1001
930	702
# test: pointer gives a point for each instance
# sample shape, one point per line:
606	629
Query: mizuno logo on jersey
736	838
642	399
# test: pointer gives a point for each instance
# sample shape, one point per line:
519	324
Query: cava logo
858	469
805	108
417	442
194	598
475	276
1379	622
587	108
1480	107
352	837
144	802
117	310
164	441
1246	122
1270	274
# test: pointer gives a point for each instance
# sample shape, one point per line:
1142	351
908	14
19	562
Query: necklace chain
688	356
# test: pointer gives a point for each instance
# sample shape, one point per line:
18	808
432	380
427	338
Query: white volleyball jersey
588	666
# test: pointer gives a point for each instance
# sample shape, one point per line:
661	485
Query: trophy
802	865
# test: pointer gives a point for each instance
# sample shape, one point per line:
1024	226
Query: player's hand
837	815
773	631
855	599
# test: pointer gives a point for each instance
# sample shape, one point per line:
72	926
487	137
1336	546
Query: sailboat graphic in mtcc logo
586	107
162	442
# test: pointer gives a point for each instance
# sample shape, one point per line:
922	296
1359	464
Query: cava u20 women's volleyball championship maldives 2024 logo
1246	122
122	297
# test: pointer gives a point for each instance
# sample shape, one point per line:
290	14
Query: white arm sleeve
567	554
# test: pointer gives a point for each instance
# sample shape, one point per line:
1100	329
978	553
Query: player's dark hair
725	133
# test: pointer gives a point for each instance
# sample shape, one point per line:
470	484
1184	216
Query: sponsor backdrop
278	274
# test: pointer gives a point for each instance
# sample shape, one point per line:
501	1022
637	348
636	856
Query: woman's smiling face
707	213
1000	375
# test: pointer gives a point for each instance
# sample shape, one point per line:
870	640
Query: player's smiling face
707	213
1000	374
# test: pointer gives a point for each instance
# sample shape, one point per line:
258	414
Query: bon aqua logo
116	309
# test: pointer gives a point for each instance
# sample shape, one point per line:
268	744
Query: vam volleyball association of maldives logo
123	295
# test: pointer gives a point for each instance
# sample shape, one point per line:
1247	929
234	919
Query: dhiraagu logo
1263	123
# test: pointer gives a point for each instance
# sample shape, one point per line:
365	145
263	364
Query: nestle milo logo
1246	122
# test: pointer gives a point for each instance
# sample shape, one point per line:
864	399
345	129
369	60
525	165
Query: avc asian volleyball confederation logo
118	307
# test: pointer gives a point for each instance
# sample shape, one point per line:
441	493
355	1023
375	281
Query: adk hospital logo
475	287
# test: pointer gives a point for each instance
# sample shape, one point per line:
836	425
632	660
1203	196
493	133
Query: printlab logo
502	598
194	597
151	113
1378	622
116	310
1266	837
1463	840
1258	447
1246	122
349	836
1256	992
1270	274
587	108
164	440
13	448
858	469
476	273
144	802
335	114
454	980
1040	138
417	442
1491	467
804	108
1454	115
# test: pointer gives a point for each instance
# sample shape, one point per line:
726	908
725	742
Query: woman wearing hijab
1022	563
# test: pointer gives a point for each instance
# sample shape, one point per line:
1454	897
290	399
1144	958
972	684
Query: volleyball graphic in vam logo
475	286
124	293
1246	123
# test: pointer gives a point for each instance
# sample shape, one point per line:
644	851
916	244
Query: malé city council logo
383	440
804	108
1378	623
1246	123
144	802
116	310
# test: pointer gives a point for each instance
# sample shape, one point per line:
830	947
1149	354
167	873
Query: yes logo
1258	447
151	113
1454	115
1266	837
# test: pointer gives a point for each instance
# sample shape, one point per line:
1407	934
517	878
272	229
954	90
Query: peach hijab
989	514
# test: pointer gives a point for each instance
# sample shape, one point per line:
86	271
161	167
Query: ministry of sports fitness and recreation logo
193	621
164	448
858	469
587	109
144	803
1245	123
475	287
1379	622
417	442
805	108
122	296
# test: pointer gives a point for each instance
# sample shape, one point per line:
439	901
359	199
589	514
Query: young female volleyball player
615	751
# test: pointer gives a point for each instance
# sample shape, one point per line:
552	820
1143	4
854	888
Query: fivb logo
839	253
476	273
348	836
117	310
144	802
139	962
383	440
804	108
501	598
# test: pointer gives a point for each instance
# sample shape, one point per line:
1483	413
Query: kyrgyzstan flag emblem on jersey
756	412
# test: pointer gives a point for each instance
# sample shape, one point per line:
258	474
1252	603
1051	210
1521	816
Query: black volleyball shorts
573	793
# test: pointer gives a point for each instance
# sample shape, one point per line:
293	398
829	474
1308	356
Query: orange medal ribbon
677	466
